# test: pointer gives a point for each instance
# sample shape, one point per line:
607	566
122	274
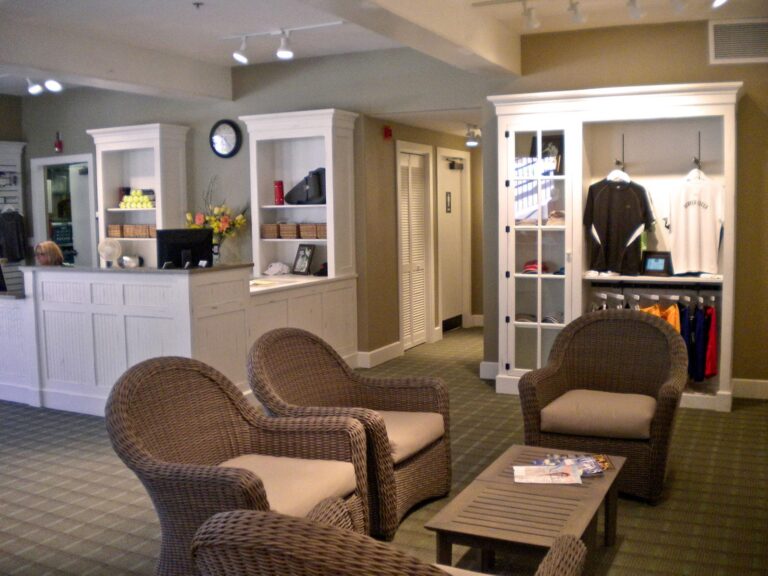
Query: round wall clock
225	138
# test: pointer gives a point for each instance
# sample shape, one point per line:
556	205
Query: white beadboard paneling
107	294
57	292
307	312
339	326
220	341
265	315
148	337
68	346
147	295
109	341
219	293
12	344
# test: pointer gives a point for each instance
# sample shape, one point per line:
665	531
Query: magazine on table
556	474
587	464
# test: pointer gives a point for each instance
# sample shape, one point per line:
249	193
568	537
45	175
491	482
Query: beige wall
376	208
10	118
660	55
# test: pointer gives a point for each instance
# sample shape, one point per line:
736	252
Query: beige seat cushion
456	571
596	413
296	485
409	432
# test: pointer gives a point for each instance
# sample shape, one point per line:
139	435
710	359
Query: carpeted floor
68	506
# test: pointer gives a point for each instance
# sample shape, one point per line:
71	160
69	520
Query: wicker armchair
177	423
251	543
294	373
599	359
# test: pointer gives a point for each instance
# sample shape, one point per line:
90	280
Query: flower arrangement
218	217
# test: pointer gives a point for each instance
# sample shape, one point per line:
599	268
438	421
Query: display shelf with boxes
141	184
286	150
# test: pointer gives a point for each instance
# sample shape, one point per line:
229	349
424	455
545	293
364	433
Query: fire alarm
387	132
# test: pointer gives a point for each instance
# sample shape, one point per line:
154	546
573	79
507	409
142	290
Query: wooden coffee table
495	513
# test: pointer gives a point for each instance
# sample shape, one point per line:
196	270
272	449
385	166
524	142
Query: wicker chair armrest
566	557
667	401
217	487
404	394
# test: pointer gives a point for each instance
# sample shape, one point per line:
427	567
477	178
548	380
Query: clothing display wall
685	220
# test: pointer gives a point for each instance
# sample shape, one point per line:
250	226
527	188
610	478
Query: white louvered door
411	198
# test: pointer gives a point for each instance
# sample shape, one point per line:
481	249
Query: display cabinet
551	148
284	148
150	158
536	271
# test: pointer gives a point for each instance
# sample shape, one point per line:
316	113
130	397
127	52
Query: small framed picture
303	259
657	263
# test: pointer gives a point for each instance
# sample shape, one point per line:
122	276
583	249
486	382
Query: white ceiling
196	31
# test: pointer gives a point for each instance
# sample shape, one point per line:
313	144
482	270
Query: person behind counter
48	254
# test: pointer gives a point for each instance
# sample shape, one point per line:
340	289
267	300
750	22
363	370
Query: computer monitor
185	248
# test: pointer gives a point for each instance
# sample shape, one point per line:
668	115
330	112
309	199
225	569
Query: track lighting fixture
472	136
576	16
284	51
34	88
529	15
52	85
718	3
635	12
239	54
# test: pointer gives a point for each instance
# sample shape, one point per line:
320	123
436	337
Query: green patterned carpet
68	506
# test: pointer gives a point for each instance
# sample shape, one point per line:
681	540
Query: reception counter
74	331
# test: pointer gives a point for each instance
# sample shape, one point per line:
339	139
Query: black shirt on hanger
616	214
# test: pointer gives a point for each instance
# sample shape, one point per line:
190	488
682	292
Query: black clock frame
238	138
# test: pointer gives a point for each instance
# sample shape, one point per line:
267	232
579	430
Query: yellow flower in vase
218	217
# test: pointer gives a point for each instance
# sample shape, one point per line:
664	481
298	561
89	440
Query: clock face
225	138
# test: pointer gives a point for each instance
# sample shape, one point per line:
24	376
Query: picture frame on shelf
303	259
657	263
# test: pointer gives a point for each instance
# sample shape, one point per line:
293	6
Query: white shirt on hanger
695	219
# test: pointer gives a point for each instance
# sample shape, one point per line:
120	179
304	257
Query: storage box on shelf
141	184
285	148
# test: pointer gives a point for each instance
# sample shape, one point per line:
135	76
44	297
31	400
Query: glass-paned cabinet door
537	255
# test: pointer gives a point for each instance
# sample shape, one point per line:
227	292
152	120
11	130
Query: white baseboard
380	355
507	384
472	321
73	402
21	394
488	370
747	388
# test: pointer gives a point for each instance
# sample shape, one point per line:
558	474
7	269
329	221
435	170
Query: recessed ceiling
197	30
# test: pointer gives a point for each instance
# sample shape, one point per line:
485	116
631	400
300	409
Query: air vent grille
738	41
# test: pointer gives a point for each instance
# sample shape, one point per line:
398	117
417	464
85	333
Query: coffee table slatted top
495	508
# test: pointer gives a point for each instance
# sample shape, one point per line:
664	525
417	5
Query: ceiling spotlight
284	51
239	54
472	137
529	14
34	88
53	85
635	12
576	16
718	3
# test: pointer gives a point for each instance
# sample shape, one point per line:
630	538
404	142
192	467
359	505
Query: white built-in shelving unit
286	147
147	157
656	131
